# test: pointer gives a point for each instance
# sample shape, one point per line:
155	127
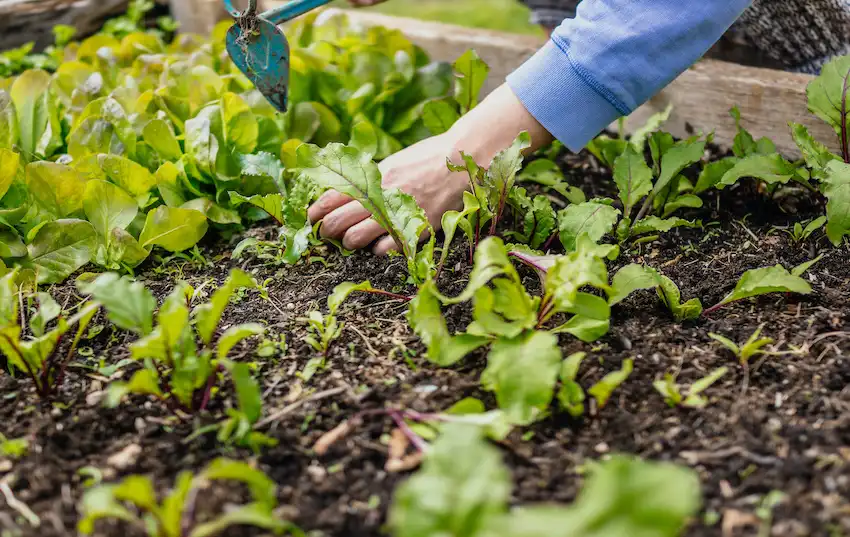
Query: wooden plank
22	21
701	97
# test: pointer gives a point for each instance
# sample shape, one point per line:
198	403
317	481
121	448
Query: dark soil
780	424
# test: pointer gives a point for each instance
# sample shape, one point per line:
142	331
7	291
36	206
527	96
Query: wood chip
332	437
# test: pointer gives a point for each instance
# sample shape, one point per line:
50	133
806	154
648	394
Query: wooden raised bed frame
701	96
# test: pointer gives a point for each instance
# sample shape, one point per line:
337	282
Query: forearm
613	57
494	124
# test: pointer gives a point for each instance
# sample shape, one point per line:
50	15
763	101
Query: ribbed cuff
567	104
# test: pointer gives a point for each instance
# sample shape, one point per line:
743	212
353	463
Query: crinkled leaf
712	173
816	154
410	224
56	188
677	158
593	219
500	177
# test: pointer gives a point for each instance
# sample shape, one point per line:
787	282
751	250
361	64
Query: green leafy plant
176	370
763	281
524	359
491	191
134	501
634	277
31	344
800	234
463	488
239	426
752	347
692	398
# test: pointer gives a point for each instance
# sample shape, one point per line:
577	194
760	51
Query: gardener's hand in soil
420	170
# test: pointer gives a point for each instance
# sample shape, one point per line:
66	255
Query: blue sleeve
613	57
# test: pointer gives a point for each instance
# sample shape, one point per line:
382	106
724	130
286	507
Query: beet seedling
134	501
177	370
750	348
38	355
692	398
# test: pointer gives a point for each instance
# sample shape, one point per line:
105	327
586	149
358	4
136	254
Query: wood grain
22	21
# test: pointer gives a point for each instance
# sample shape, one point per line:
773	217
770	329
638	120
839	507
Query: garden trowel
260	49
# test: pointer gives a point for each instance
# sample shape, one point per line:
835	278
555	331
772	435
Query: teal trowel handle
284	13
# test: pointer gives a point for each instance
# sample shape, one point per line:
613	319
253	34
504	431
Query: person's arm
612	57
597	67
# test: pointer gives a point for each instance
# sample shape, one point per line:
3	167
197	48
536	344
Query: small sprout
750	348
673	395
800	234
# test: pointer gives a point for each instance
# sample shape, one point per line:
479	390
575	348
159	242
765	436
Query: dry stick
19	506
297	404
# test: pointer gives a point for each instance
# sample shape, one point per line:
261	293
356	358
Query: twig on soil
18	505
369	346
297	404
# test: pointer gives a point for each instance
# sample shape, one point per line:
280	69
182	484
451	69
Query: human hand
420	170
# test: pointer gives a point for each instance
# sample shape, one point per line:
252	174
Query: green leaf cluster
464	489
134	501
31	346
181	362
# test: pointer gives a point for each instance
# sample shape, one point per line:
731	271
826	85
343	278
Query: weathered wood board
701	97
22	21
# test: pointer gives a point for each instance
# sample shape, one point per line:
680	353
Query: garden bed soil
782	424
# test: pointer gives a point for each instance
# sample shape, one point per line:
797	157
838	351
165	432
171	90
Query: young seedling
181	363
38	355
134	501
325	329
800	234
693	398
752	347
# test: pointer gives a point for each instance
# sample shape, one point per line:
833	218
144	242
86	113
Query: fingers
384	246
327	203
336	224
362	234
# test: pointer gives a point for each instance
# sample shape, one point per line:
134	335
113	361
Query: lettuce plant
33	346
181	362
134	501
